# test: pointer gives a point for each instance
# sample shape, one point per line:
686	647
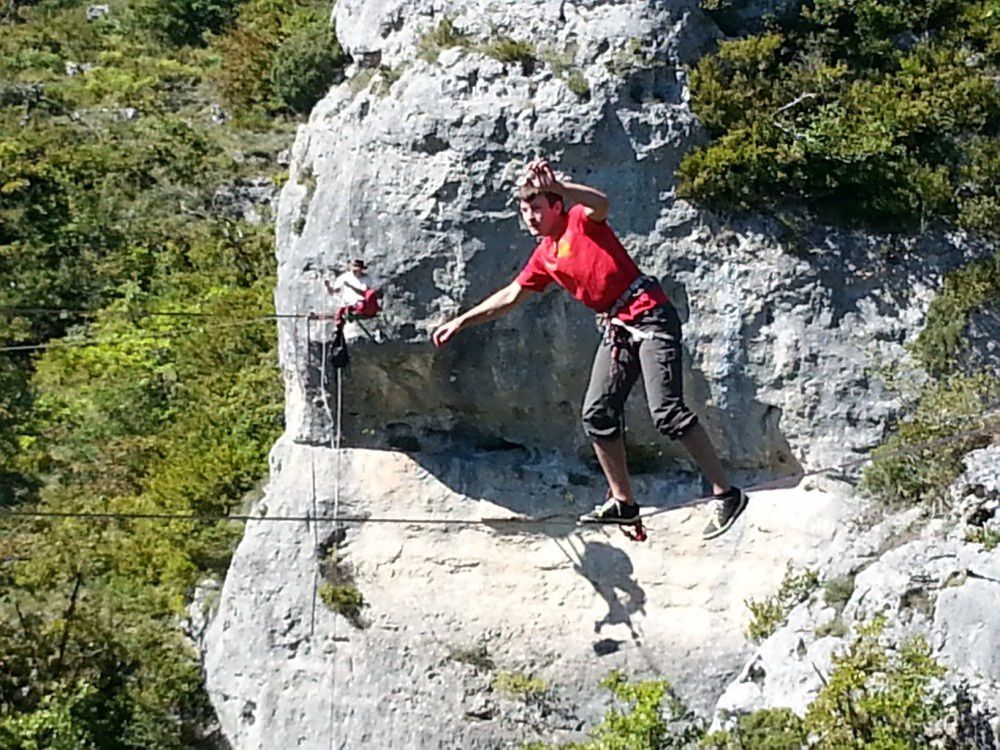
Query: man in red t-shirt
578	251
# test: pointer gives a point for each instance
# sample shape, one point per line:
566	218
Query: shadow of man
609	570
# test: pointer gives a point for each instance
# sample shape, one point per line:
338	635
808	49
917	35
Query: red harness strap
639	534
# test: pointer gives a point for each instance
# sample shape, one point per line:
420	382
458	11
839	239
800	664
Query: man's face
541	218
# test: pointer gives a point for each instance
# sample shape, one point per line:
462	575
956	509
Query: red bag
367	307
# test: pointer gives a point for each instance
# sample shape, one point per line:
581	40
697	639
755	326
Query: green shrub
920	459
441	37
867	110
244	72
339	591
838	591
184	21
161	414
767	729
507	49
647	715
519	686
874	698
344	600
769	613
988	538
278	56
477	656
939	347
305	66
577	83
835	628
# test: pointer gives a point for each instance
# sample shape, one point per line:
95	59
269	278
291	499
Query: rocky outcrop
927	580
451	606
412	164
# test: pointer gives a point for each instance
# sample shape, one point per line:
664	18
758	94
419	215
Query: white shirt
350	287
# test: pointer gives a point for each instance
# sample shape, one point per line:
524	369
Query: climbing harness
614	331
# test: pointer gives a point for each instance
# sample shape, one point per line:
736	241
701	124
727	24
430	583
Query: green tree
305	66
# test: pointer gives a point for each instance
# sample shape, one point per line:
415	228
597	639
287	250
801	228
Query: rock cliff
410	163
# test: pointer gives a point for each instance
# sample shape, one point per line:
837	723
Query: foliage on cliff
952	394
881	112
877	694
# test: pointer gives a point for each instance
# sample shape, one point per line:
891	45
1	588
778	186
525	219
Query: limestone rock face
452	607
412	164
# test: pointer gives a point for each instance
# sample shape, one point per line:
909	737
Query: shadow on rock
609	570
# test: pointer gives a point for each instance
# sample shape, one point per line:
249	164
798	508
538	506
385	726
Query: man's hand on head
539	174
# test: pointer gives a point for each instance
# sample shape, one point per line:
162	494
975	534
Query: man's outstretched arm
490	308
595	203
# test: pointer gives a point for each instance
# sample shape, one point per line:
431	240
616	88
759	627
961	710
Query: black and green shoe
613	511
723	511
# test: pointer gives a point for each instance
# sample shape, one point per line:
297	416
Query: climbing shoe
723	511
613	511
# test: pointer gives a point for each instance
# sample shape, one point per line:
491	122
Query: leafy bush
838	591
507	49
339	591
648	716
305	66
920	459
577	83
477	656
243	75
279	55
344	600
869	110
184	21
939	347
767	729
874	697
769	613
109	213
988	538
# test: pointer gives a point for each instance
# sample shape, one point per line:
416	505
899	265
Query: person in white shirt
349	288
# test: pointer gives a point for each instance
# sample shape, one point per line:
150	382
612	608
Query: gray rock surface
983	333
975	496
250	199
97	11
415	172
554	602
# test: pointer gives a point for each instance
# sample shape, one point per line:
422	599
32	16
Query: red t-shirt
590	262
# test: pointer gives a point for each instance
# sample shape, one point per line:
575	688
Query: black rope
143	313
989	422
235	322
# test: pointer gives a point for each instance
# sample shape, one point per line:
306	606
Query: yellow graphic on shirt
563	249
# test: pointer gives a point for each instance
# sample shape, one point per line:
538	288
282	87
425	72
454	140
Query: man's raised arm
595	203
490	308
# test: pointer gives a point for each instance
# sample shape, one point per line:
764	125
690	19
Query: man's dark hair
530	192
